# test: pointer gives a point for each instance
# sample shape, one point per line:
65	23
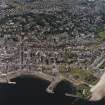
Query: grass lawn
102	34
87	76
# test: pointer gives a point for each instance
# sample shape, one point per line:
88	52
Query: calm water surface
29	91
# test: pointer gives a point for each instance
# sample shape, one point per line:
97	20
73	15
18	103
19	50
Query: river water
29	91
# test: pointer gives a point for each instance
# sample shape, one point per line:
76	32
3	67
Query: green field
102	34
79	74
